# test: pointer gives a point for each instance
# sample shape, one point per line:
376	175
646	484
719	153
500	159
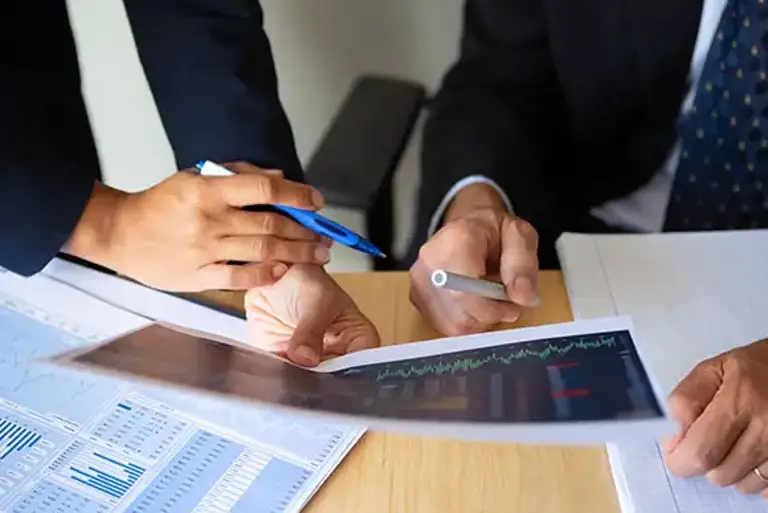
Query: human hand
307	317
179	234
479	238
721	409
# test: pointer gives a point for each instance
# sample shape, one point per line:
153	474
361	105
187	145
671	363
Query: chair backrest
365	141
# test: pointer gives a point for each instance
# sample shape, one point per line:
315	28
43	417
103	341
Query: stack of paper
691	297
87	444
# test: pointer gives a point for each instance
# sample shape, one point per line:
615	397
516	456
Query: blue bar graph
15	437
108	475
26	446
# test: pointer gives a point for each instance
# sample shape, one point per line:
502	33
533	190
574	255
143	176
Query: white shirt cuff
453	191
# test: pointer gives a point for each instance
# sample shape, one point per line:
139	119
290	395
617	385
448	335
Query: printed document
691	296
79	443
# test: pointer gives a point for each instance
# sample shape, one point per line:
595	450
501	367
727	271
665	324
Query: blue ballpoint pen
308	219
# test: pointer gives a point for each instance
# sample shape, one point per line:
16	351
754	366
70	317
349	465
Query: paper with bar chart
87	444
581	381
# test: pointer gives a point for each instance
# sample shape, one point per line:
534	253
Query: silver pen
490	289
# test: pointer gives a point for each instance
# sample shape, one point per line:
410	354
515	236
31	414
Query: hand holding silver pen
474	245
478	286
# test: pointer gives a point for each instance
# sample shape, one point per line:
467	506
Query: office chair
355	162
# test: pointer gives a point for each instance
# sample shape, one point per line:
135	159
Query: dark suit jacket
209	65
565	104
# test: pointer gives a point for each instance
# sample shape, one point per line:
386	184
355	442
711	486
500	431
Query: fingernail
305	356
279	270
511	318
322	254
524	287
317	198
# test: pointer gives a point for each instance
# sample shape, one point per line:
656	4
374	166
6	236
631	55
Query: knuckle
303	194
270	223
458	233
261	248
197	193
703	461
523	232
197	226
263	187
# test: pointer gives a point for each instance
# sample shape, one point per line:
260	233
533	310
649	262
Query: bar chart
105	474
16	438
25	447
101	473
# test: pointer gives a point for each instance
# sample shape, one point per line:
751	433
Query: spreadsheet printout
73	443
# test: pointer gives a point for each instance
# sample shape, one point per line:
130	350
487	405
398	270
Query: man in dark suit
209	65
603	116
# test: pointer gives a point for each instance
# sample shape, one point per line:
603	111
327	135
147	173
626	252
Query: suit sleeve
497	112
210	67
48	161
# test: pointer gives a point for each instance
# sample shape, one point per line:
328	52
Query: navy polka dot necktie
723	170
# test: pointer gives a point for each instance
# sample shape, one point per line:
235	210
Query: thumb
690	398
519	261
305	346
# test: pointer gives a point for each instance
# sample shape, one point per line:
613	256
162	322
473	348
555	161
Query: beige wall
319	47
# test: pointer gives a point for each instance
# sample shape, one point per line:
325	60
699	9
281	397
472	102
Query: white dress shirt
644	209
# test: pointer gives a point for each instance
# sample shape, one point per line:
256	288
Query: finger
367	338
519	261
691	396
305	346
239	277
748	452
487	312
242	222
245	189
752	483
263	248
241	167
351	338
709	439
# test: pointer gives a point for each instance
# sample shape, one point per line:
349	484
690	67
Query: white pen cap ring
439	278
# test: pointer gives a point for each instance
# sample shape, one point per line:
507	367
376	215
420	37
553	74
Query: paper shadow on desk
570	380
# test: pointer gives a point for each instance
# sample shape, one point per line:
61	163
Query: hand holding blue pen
308	219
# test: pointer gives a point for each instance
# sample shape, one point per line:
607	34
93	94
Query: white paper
146	302
691	296
99	445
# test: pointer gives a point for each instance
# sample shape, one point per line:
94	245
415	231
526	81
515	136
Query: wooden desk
393	473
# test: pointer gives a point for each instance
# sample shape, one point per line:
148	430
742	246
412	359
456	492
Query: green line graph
469	363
